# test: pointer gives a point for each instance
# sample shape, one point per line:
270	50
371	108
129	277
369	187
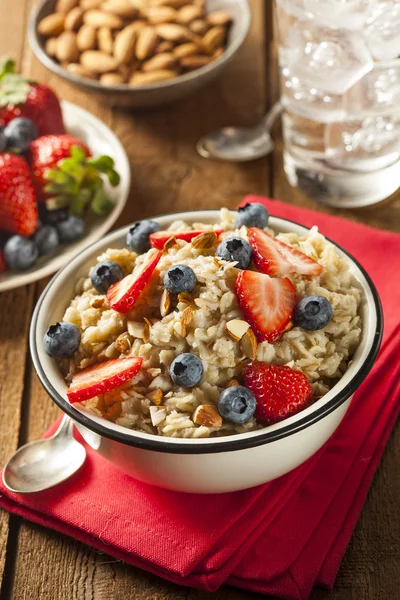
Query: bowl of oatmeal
207	351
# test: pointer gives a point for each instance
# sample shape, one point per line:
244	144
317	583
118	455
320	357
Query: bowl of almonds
138	53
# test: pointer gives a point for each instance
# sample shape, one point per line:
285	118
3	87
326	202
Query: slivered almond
185	50
52	24
187	315
124	342
156	396
98	62
99	301
199	26
189	13
136	329
146	332
165	303
110	79
64	6
67	50
248	344
213	38
207	415
289	326
161	14
99	18
173	32
146	42
74	19
159	61
232	383
124	44
204	240
51	46
86	38
219	17
152	77
195	62
105	40
236	329
122	8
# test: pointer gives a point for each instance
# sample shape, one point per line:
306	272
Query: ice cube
383	31
377	93
292	7
303	136
340	14
326	59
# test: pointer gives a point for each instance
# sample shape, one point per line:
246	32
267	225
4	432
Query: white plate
101	140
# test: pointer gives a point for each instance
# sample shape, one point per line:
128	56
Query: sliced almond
52	25
51	46
153	77
219	17
216	262
188	49
105	40
64	6
248	344
146	43
204	240
122	8
232	383
124	342
207	415
199	26
195	62
189	13
169	243
159	61
156	396
100	18
187	315
213	38
67	50
157	415
135	329
98	62
124	44
74	19
146	332
99	301
186	298
173	32
165	303
161	14
86	38
110	79
89	4
236	329
164	46
289	326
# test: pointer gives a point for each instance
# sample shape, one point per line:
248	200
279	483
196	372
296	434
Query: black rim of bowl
161	444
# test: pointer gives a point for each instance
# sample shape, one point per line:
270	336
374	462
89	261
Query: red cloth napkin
281	538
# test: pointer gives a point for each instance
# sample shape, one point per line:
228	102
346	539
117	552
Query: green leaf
72	168
113	177
102	163
78	153
13	89
101	204
79	202
7	66
58	176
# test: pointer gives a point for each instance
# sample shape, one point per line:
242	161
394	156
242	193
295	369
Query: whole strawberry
280	391
3	264
18	207
22	98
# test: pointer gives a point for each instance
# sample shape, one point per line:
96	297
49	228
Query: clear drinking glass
340	86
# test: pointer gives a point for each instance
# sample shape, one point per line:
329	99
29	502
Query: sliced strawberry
276	258
123	294
103	377
267	304
159	238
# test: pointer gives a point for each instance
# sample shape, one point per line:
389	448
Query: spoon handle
65	428
272	115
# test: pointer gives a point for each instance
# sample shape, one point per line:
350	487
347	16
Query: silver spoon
239	144
42	464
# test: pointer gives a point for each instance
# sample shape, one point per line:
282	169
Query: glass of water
340	87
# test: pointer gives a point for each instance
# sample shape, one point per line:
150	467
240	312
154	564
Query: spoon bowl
43	464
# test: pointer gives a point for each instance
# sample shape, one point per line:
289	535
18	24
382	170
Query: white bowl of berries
207	351
64	179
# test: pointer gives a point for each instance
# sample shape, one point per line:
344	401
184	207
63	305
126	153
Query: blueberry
62	339
3	140
235	249
186	370
20	253
313	312
236	404
73	228
52	217
252	215
179	278
46	239
20	133
137	238
104	274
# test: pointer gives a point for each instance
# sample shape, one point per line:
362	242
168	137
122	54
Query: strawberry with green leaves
22	98
65	175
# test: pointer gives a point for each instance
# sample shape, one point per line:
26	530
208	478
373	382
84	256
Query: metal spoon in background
239	144
42	464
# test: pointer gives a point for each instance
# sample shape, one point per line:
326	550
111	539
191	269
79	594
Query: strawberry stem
14	89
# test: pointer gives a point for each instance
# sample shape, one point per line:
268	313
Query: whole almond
98	62
124	45
204	240
159	61
64	6
67	50
164	46
213	38
141	6
162	14
189	13
146	43
86	38
74	19
219	17
173	32
219	52
51	46
173	3
89	4
105	40
201	3
195	62
188	49
111	79
199	26
152	77
80	71
122	8
98	18
52	25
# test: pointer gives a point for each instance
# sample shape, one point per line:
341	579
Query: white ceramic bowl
205	465
101	140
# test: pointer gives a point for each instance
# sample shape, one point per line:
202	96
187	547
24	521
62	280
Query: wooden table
167	174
